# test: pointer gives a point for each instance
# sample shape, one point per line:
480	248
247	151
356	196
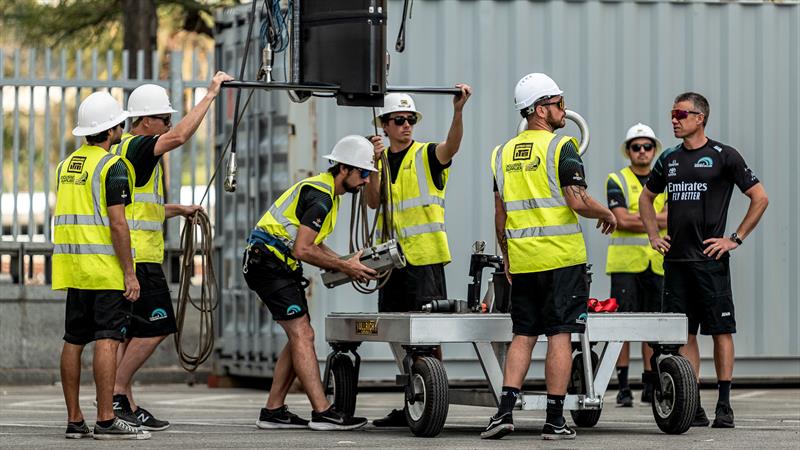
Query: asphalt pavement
34	417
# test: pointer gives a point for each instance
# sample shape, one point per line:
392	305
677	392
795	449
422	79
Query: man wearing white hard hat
149	139
418	180
93	260
637	271
540	189
293	231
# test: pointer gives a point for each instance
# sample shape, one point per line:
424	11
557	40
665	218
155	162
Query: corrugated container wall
619	63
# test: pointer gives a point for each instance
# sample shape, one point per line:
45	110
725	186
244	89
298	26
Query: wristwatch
735	238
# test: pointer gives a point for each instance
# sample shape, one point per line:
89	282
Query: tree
84	23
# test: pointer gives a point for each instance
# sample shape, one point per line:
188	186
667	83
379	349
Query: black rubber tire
426	416
674	409
343	383
585	418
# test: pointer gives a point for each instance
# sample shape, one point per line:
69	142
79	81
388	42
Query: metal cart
413	337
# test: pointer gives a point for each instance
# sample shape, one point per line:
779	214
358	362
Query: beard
351	188
556	124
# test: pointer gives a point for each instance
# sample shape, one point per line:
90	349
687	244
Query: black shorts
702	291
550	302
637	292
281	291
153	314
411	287
95	314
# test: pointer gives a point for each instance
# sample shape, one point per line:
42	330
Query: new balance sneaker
332	420
551	432
119	430
723	416
122	410
149	422
499	426
279	419
77	430
625	397
647	393
396	418
700	418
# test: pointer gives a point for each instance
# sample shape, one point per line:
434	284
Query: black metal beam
334	88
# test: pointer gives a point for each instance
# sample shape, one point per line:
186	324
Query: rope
208	290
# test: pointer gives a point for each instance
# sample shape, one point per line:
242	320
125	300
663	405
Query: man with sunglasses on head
151	136
418	180
698	176
540	189
293	231
636	270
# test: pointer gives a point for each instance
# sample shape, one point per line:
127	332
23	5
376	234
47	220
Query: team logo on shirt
705	161
81	180
673	163
522	151
672	172
158	314
292	310
533	165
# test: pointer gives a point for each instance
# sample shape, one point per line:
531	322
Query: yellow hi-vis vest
147	234
83	254
281	219
543	233
630	252
418	216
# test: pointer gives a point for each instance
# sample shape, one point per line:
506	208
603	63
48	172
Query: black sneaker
332	420
77	430
647	393
723	416
119	430
499	426
122	410
279	419
625	397
700	418
396	418
149	422
551	432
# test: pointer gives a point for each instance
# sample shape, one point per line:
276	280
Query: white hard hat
148	100
353	150
397	102
97	113
533	87
639	130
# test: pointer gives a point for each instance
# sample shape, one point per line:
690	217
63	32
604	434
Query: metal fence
39	94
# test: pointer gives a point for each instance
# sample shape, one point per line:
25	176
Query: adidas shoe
498	427
331	419
149	422
77	430
279	418
119	430
551	432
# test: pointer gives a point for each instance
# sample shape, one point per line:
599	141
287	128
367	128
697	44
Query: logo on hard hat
404	102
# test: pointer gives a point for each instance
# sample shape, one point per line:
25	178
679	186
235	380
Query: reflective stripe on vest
628	251
148	203
281	223
542	232
83	252
418	217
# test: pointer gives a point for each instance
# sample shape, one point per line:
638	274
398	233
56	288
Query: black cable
241	75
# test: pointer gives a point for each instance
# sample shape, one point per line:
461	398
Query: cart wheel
343	383
426	416
675	404
585	417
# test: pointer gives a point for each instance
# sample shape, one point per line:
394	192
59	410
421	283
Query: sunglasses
680	114
401	120
641	147
559	103
166	119
363	173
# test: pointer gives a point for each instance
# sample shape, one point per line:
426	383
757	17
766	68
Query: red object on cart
607	305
